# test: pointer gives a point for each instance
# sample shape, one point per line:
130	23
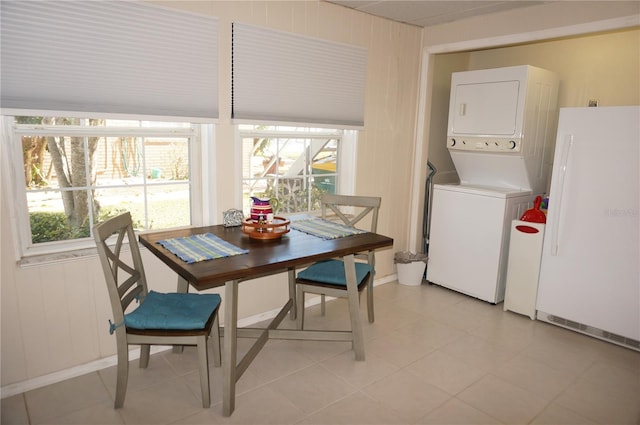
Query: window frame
12	163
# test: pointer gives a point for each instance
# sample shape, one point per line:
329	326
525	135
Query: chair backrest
352	209
124	273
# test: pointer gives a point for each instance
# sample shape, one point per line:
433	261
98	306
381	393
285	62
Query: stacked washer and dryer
501	135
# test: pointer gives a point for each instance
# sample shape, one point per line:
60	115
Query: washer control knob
453	142
512	144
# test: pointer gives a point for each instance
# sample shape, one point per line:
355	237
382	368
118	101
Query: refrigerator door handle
564	160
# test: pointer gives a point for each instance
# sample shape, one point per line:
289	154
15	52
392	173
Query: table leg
354	306
292	293
230	353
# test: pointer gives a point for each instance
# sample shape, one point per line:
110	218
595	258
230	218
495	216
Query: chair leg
122	374
145	350
215	340
183	288
370	301
323	309
299	308
203	365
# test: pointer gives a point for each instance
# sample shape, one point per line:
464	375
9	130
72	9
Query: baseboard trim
93	366
72	372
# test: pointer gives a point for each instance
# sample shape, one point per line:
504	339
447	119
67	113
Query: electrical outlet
593	103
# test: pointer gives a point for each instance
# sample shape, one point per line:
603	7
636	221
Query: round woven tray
274	230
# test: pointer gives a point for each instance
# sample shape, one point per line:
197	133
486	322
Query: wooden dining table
264	257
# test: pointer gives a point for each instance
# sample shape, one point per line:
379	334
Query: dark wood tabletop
265	256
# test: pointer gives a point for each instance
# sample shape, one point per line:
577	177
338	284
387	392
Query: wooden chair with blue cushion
159	319
327	278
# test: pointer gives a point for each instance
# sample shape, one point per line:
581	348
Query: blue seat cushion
174	311
332	272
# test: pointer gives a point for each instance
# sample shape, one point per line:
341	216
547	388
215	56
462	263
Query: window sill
57	257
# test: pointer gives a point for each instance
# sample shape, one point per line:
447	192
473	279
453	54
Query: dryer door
488	108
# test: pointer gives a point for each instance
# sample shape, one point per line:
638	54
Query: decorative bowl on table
256	229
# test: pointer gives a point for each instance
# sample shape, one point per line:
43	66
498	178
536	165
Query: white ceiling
424	13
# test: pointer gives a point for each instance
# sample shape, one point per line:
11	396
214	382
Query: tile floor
433	357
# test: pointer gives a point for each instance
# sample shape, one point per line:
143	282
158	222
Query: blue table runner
192	249
324	229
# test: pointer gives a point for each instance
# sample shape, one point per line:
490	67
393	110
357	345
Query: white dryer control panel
487	144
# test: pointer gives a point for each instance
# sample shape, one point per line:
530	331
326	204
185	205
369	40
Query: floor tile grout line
596	355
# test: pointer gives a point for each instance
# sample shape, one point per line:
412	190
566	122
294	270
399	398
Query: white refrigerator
589	274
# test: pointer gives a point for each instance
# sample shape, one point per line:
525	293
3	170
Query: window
292	164
73	173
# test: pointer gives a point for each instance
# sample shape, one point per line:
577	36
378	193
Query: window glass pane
114	201
292	158
168	206
153	207
82	171
37	161
123	159
292	194
57	161
294	165
167	158
49	218
324	167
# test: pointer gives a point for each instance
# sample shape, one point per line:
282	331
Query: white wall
55	317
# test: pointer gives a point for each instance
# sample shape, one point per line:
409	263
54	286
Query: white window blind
108	57
279	76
